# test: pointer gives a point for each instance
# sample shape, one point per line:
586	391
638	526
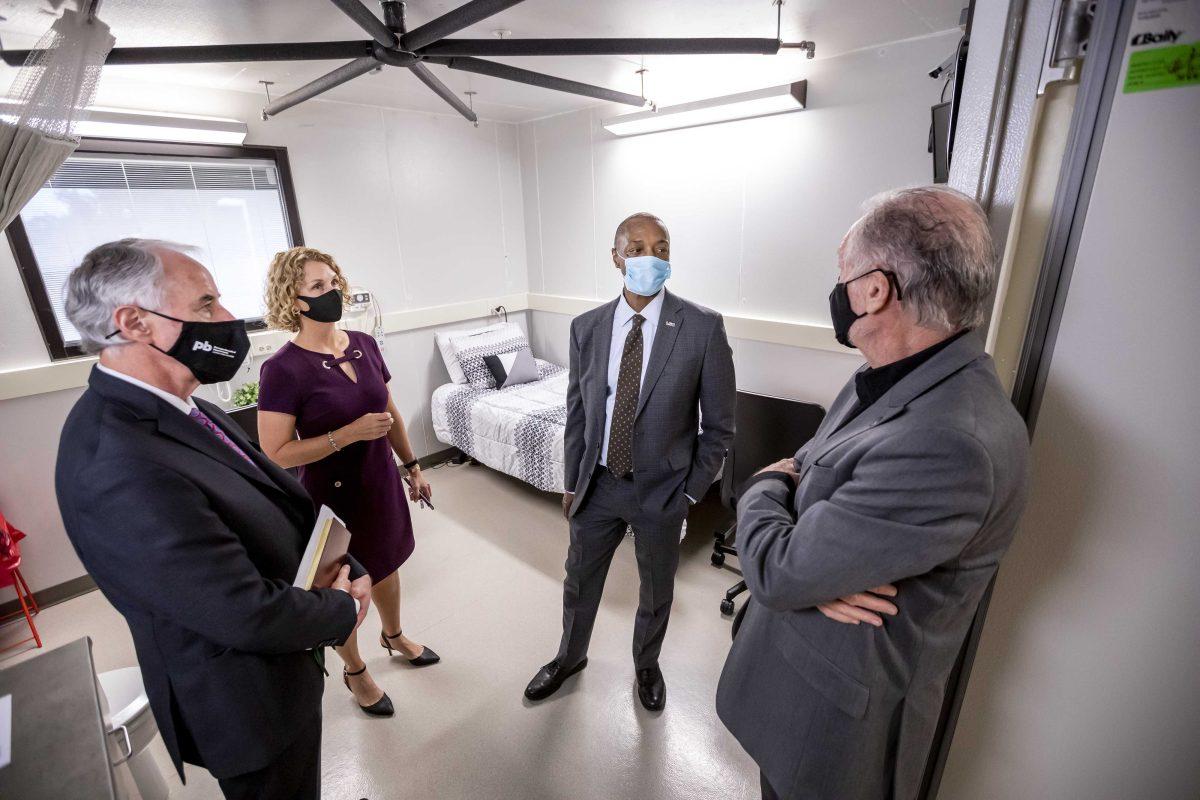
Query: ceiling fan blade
213	53
443	91
348	71
601	47
453	21
363	18
497	70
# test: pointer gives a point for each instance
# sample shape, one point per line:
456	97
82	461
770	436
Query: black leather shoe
380	708
550	678
652	689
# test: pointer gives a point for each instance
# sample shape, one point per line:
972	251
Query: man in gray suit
913	484
644	367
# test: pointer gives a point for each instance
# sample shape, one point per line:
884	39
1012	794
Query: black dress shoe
550	678
652	689
380	708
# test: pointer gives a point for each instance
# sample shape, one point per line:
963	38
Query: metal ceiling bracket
1066	42
809	47
363	18
394	57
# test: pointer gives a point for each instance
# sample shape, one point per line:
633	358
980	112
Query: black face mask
325	307
842	314
213	351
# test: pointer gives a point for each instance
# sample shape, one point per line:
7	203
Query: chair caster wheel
718	559
727	607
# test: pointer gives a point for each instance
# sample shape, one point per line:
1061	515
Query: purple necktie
205	422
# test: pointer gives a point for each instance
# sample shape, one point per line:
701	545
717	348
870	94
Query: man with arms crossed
190	532
642	367
912	485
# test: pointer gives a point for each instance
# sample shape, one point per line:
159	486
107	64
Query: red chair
10	575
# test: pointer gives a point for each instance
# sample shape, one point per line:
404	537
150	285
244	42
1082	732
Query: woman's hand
418	487
363	429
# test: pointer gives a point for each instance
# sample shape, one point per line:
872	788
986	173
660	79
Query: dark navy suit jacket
198	549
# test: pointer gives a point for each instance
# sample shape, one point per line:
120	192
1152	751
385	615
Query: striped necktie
204	421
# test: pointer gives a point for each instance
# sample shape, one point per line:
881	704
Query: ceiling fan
392	44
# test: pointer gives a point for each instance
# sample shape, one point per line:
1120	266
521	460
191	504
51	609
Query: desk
58	745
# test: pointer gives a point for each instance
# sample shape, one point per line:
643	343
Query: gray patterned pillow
471	357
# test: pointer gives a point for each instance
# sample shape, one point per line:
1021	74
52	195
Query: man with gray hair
190	532
900	506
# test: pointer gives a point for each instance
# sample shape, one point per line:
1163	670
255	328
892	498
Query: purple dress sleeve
276	389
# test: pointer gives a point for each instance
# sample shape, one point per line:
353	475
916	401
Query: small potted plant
246	395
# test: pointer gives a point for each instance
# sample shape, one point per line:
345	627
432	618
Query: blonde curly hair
284	278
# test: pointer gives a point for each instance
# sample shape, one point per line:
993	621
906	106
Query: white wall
1086	684
426	210
756	208
423	209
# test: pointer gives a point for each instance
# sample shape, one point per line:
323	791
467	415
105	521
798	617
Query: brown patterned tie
629	384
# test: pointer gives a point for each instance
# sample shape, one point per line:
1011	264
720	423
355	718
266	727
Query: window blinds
230	209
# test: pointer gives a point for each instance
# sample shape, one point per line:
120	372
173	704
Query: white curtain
49	97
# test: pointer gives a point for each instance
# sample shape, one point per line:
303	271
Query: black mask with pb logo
213	351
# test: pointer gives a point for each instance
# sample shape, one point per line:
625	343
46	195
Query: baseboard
84	583
53	594
433	459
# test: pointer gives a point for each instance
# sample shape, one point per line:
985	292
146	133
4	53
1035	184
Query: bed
517	430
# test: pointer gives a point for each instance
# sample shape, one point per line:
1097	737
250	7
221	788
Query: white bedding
518	430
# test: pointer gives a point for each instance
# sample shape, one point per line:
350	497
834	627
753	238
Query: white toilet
132	729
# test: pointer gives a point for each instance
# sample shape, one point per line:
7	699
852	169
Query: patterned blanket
518	430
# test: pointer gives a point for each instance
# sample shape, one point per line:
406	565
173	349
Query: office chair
767	429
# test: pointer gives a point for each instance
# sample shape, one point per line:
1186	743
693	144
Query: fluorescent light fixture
111	123
759	103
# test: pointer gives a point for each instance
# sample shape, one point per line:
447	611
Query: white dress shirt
184	407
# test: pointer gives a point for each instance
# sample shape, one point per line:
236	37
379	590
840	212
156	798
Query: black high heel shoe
426	658
381	707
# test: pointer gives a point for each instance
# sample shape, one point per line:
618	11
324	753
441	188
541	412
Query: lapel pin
670	324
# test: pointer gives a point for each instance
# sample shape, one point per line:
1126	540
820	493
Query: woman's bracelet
414	464
332	443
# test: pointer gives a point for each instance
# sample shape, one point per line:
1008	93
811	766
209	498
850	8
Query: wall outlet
360	297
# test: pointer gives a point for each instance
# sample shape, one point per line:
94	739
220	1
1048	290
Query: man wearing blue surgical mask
644	368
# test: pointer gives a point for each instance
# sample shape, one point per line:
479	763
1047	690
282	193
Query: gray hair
128	272
938	243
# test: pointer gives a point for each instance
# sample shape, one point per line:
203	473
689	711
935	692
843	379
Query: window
234	204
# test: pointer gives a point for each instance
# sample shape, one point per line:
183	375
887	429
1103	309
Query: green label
1163	68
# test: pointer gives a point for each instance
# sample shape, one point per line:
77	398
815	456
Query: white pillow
450	343
445	342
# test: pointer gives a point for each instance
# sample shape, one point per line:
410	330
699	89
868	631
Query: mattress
518	430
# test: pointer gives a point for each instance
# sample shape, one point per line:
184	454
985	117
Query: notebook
325	553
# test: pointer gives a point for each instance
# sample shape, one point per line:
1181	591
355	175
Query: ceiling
837	26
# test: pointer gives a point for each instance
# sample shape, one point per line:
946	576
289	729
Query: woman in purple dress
324	407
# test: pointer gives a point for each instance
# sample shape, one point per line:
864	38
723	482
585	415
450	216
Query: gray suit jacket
923	489
690	371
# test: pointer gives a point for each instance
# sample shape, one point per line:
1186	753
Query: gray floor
484	590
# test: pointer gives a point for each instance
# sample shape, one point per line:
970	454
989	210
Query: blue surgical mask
645	275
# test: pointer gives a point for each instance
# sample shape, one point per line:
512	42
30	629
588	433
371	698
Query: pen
420	497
